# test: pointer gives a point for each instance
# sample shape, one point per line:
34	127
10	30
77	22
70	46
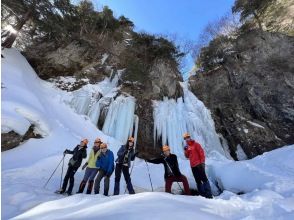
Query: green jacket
93	158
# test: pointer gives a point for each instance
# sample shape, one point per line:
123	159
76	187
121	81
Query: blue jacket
122	153
105	162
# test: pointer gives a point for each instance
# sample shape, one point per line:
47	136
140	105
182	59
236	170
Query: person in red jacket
195	153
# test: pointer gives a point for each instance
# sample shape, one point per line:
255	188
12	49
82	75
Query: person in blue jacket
125	155
105	164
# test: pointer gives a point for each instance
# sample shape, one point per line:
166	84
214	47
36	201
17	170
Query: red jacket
195	153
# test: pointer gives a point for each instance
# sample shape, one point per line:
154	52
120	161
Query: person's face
96	144
187	139
131	144
166	153
104	149
82	143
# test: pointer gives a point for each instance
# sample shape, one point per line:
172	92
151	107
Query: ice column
119	122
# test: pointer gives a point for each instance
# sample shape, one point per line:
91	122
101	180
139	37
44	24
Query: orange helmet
85	141
103	145
165	148
186	135
97	140
131	139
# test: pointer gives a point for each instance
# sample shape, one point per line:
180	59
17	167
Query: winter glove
186	147
64	152
85	165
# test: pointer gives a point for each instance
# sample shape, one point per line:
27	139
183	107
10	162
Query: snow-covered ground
261	188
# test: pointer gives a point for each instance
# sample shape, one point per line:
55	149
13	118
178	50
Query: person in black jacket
125	155
79	153
171	170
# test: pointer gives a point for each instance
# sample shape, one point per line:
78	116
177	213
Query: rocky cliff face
250	92
144	75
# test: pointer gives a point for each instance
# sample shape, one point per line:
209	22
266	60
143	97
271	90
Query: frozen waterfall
172	118
121	122
89	99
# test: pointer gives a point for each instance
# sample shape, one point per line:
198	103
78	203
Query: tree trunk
257	20
11	38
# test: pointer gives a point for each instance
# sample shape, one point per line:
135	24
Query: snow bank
270	195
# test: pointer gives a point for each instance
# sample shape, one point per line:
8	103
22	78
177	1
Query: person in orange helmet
125	155
91	169
195	153
79	153
171	170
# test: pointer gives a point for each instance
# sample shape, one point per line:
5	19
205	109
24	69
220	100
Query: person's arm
67	151
156	161
187	153
110	165
121	151
200	152
84	154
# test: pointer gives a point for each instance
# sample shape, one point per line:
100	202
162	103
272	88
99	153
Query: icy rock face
161	79
172	118
251	94
121	121
90	99
114	115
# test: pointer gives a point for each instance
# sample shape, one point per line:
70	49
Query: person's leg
184	180
195	171
97	181
168	184
65	180
118	169
127	177
106	185
84	181
71	180
91	180
205	182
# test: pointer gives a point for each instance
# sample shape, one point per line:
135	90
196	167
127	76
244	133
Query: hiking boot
68	193
60	191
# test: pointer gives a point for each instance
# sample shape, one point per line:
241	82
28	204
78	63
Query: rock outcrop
12	139
250	92
147	66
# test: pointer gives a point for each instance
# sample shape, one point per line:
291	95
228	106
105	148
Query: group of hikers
101	164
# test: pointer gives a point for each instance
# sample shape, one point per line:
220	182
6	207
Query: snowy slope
267	180
273	200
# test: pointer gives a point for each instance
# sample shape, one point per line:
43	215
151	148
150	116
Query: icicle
136	123
120	118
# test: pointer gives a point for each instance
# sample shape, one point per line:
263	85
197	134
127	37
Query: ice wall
172	118
121	121
89	99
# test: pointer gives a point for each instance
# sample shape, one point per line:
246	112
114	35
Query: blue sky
185	18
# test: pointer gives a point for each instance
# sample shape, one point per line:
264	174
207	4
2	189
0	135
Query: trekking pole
130	173
53	172
62	171
172	173
149	175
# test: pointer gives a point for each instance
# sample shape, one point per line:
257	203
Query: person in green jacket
91	170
